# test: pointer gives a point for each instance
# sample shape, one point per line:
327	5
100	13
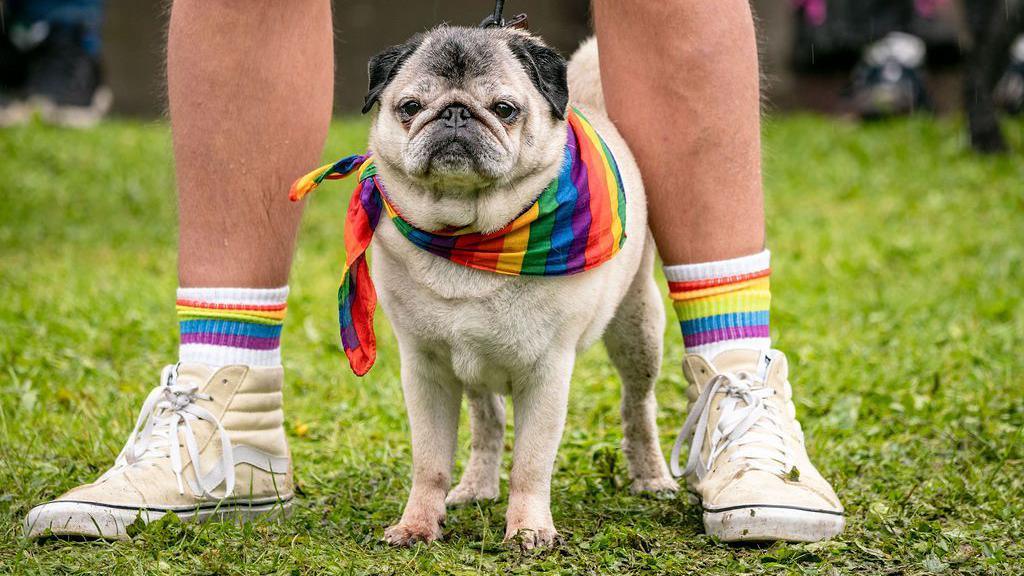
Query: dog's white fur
488	335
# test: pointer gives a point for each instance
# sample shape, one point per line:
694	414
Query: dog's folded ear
383	67
546	68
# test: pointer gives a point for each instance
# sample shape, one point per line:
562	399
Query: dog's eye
410	109
505	111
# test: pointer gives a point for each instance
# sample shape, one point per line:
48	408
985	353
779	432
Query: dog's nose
455	115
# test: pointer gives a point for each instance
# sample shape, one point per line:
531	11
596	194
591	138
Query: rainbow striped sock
228	326
722	305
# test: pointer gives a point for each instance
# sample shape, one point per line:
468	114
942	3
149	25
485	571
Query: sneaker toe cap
73	518
761	488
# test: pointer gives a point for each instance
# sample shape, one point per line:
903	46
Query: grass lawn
899	297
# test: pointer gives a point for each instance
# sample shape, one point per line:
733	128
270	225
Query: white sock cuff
718	269
220	334
235	295
218	356
711	351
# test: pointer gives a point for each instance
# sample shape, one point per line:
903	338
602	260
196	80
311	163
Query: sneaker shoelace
747	421
169	409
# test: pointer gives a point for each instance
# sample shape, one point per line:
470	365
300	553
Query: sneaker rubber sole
110	522
772	523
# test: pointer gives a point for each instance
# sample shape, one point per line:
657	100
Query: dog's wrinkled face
466	109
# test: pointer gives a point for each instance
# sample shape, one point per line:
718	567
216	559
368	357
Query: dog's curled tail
584	77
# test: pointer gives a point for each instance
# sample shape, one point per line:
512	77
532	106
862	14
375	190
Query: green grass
899	271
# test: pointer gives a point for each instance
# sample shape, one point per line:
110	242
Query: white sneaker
227	423
747	462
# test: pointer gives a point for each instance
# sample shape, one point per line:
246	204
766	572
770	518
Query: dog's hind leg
634	343
480	480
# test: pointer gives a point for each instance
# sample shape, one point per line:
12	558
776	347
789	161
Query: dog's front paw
530	538
469	492
657	486
409	533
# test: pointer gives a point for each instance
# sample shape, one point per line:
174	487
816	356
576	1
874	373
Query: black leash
497	21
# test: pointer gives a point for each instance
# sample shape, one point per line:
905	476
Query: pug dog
469	129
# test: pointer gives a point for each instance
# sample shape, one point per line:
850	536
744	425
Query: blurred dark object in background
13	71
993	25
889	78
831	34
52	67
868	57
1009	93
896	57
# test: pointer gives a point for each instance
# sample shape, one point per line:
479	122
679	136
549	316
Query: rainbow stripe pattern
577	223
254	327
717	312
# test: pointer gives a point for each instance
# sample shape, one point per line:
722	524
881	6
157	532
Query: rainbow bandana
576	223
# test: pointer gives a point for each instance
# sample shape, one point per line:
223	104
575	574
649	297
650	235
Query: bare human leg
250	91
696	136
249	86
680	80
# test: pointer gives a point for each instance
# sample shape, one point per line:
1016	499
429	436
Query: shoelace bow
747	422
168	409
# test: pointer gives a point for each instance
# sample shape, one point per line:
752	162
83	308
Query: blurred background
862	57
